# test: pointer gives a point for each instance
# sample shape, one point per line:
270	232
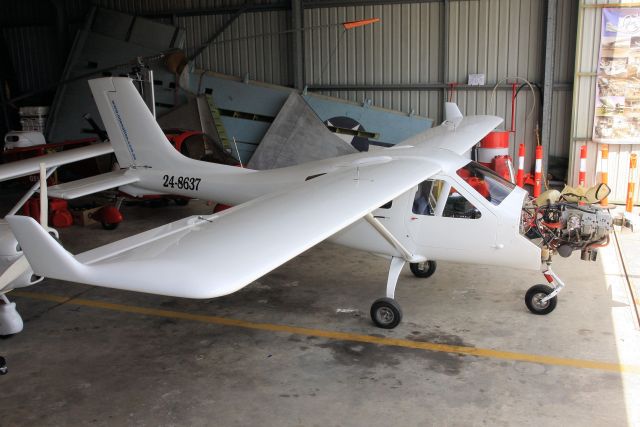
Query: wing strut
386	234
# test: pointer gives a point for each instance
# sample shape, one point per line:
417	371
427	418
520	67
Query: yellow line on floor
342	336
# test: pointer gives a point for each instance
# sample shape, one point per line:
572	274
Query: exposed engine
565	227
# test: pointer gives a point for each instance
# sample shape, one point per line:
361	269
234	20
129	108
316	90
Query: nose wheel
542	299
3	366
535	299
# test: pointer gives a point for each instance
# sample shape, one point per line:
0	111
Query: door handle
498	246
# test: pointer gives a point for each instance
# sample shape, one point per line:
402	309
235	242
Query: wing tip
452	112
47	257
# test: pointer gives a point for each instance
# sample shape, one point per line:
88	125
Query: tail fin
46	256
135	135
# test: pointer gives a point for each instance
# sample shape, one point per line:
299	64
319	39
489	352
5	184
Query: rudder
135	135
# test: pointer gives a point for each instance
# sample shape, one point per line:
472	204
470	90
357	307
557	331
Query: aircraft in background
416	202
15	271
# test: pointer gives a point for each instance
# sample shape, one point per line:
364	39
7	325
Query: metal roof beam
224	10
424	87
314	4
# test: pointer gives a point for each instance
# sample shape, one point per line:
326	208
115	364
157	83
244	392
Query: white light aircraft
15	271
416	202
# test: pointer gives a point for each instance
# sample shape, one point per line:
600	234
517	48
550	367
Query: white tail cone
10	320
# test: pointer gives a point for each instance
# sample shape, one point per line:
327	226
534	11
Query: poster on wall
617	112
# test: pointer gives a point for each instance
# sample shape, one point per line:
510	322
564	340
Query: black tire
386	313
181	202
109	226
3	366
423	269
535	294
157	203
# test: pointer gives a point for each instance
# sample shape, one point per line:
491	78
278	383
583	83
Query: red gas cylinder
59	215
32	208
57	204
219	207
109	216
502	166
61	218
494	154
495	144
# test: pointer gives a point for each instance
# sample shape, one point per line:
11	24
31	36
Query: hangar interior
269	84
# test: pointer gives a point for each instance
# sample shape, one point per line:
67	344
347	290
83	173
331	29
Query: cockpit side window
438	198
458	206
424	202
486	182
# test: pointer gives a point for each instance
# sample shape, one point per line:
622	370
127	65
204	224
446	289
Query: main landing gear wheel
3	366
386	313
534	297
109	225
423	269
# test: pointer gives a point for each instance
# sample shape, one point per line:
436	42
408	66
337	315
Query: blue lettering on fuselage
124	130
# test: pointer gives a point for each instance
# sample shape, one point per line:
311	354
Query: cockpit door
449	222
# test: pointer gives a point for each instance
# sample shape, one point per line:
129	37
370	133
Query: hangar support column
547	94
297	23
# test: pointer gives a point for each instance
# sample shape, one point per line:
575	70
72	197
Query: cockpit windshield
486	182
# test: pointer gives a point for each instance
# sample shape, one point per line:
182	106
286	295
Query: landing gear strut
386	312
10	323
10	320
542	299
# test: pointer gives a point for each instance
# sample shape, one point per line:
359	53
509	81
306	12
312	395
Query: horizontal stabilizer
91	185
27	167
206	257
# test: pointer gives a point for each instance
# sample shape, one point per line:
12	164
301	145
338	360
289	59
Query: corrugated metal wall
404	48
499	38
34	55
588	47
264	58
32	43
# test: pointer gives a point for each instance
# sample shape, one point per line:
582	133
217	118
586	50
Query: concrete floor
82	364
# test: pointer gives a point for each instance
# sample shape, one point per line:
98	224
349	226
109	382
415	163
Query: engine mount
565	227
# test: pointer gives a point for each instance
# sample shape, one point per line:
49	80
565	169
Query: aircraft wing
206	257
92	184
28	166
462	136
458	135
